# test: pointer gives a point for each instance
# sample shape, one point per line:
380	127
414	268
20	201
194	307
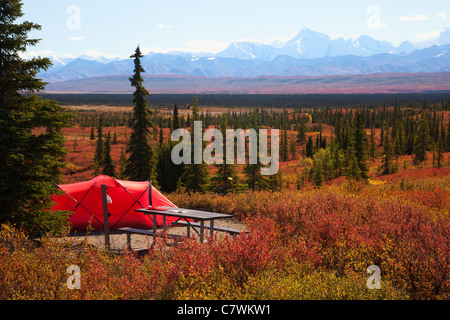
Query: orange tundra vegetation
312	244
304	243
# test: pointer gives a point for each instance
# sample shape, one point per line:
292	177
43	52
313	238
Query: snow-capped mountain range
308	53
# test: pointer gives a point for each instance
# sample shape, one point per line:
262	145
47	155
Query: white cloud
209	45
32	54
427	36
80	38
147	50
98	54
416	17
442	15
199	45
164	26
345	36
68	55
378	25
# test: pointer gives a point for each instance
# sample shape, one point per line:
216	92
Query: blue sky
115	28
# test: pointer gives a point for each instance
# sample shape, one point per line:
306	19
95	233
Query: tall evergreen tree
318	172
30	163
175	118
422	140
400	140
447	138
114	140
301	136
309	148
122	164
168	172
387	166
92	136
109	169
293	149
372	145
440	151
141	164
99	149
353	170
284	150
195	176
275	182
358	144
226	179
252	172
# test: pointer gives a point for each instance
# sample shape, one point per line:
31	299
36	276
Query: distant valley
178	84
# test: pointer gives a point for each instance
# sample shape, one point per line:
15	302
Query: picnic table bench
150	233
231	231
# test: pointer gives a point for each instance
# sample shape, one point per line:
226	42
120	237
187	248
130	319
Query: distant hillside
171	84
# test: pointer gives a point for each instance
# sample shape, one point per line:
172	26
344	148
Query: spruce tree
75	145
92	136
99	149
275	182
447	138
301	136
30	163
252	172
440	151
358	144
226	178
114	140
122	164
318	173
372	145
141	164
309	148
168	173
195	176
161	137
284	150
175	118
422	141
353	170
387	166
293	149
109	168
323	142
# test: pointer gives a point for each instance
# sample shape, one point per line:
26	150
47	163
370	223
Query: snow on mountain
307	53
98	58
444	37
404	47
307	44
246	50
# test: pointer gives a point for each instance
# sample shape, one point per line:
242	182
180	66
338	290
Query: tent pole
106	217
150	193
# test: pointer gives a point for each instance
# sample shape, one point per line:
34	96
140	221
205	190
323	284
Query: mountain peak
308	33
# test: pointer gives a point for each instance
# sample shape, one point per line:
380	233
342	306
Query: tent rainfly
84	199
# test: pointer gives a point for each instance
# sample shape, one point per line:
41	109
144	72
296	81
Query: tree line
282	101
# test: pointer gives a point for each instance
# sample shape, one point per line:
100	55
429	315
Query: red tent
84	199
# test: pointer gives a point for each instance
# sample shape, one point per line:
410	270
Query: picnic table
194	219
